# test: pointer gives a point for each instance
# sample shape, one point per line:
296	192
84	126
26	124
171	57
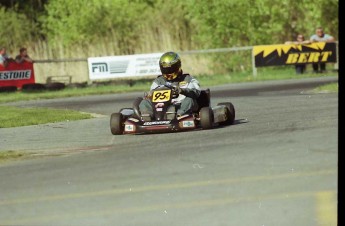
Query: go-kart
131	121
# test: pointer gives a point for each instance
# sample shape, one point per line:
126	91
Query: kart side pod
219	113
224	113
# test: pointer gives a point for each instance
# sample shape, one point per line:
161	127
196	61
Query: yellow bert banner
288	54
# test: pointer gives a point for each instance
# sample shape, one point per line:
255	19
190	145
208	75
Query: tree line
143	26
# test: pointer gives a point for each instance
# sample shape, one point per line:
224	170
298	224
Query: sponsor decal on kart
183	116
133	119
161	96
188	124
156	123
159	105
129	128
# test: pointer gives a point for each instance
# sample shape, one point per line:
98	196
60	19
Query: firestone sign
16	74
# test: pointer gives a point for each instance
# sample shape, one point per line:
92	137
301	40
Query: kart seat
204	99
136	107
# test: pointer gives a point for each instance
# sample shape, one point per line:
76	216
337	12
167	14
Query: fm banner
15	74
111	67
288	54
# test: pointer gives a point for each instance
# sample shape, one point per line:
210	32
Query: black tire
55	86
206	118
77	85
33	87
230	113
8	89
116	124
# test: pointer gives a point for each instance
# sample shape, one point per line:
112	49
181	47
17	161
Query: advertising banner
111	67
289	54
16	74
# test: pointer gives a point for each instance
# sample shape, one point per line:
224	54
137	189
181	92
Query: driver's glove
148	95
176	91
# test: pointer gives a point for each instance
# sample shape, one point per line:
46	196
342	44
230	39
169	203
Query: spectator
4	58
23	56
299	40
300	68
320	36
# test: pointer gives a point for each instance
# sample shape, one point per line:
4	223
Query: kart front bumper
135	126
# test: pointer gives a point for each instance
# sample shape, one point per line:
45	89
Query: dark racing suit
190	91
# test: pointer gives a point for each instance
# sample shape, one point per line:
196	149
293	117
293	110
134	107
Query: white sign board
112	67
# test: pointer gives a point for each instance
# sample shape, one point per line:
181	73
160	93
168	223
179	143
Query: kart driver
185	85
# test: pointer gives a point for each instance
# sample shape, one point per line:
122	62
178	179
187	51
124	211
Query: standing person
320	36
300	68
4	58
23	56
186	85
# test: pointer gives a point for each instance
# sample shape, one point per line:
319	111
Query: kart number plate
161	95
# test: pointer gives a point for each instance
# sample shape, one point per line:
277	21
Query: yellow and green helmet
170	65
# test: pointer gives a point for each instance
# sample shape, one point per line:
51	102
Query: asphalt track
277	165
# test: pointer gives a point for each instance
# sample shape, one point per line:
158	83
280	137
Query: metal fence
196	62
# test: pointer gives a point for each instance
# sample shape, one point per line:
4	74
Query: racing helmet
170	65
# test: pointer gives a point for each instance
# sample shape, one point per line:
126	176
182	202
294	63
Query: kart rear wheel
230	113
116	124
206	117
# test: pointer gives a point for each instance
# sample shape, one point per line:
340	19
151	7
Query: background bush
57	29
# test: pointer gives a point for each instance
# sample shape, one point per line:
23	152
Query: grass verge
328	88
15	117
13	155
123	86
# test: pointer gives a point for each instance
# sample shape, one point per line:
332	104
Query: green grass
122	86
70	92
329	88
13	155
14	116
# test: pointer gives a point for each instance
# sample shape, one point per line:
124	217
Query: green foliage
80	22
140	26
258	22
166	27
15	29
203	24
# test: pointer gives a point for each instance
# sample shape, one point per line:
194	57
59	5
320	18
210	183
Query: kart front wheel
206	118
116	124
